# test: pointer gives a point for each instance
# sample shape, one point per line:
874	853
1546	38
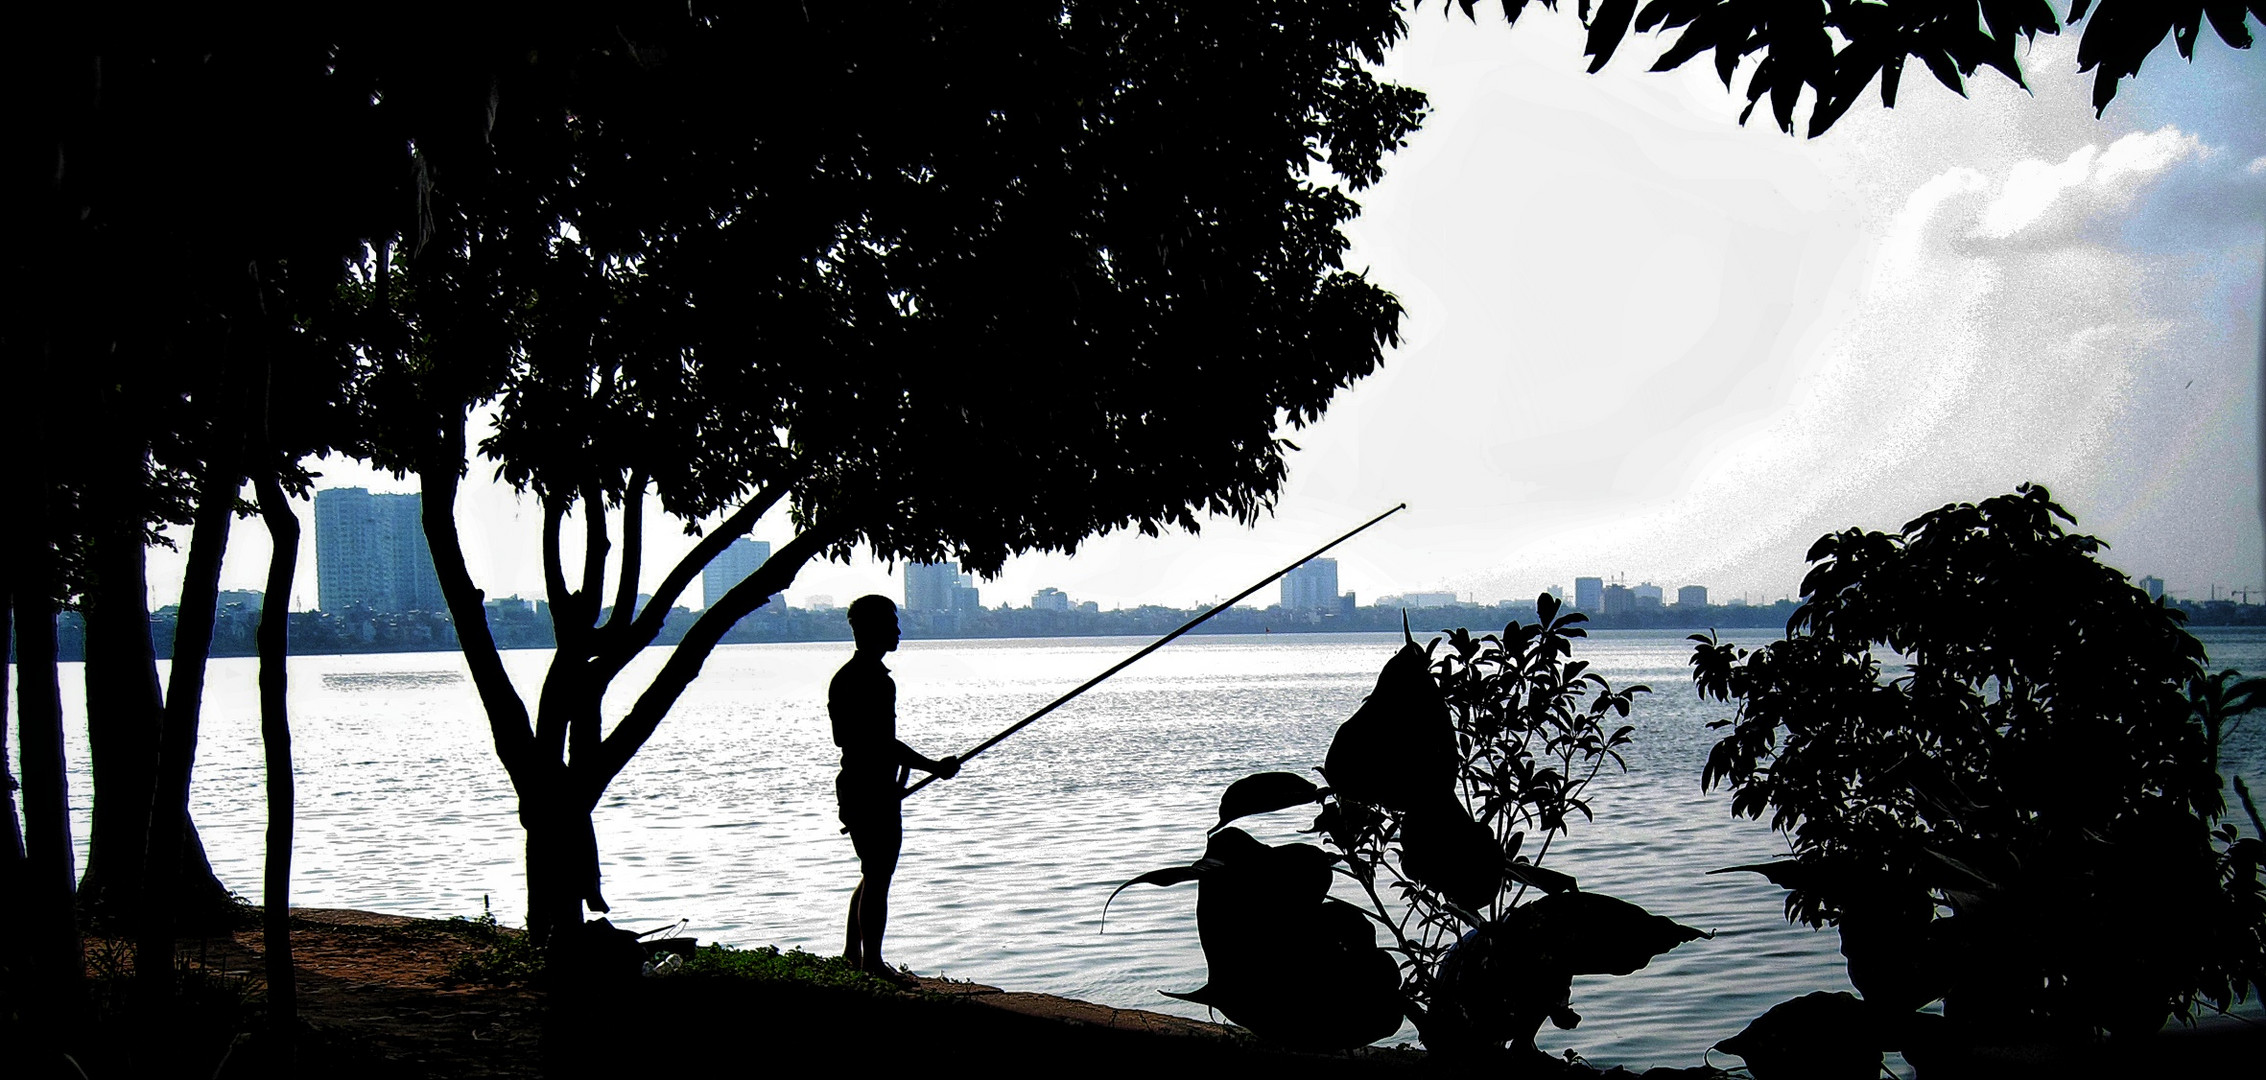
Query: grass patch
768	964
506	956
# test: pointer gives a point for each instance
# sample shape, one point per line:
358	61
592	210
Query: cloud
2042	202
2013	326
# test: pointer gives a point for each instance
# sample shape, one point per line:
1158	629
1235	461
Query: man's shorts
877	828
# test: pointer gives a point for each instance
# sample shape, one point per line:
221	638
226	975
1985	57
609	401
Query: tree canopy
997	278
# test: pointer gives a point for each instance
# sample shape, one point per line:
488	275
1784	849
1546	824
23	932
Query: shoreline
375	1000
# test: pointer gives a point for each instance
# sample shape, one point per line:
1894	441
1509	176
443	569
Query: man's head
873	623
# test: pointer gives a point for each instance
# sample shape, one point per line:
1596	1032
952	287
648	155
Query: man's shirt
862	702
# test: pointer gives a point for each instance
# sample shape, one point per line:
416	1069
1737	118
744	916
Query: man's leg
853	940
878	840
873	921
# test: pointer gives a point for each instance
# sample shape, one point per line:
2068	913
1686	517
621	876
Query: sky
1644	342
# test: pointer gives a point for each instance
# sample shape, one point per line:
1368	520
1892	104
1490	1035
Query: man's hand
947	768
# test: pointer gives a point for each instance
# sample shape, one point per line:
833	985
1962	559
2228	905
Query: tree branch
554	568
507	714
775	575
570	631
595	544
648	624
633	543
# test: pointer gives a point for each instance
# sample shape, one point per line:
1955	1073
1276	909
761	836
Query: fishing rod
1160	643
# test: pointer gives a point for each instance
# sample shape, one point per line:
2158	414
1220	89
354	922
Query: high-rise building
2153	586
1618	600
928	586
1692	596
939	587
732	566
1648	596
1050	599
370	552
1589	594
1313	586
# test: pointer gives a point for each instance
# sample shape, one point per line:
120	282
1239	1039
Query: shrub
1438	783
2023	821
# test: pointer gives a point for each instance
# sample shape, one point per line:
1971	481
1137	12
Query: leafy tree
1994	759
1435	784
955	281
1837	49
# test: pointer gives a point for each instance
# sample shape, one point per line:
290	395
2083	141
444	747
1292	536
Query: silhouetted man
863	704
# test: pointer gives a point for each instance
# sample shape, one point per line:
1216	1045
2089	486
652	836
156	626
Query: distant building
1648	596
1050	599
1313	586
1428	599
1618	600
511	607
370	552
929	586
1589	594
2153	586
939	587
248	598
819	602
732	566
1694	596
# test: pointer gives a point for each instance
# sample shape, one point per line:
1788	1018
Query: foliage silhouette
1436	781
1836	50
2023	822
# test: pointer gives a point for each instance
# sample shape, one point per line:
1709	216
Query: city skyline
1690	348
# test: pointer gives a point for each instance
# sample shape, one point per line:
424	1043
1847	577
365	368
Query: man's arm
945	768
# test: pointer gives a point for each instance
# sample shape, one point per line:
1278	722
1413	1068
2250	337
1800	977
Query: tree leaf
1262	793
1607	30
1595	934
1543	878
1815	1035
1171	875
1398	750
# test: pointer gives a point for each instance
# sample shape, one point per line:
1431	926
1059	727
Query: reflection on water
382	681
727	817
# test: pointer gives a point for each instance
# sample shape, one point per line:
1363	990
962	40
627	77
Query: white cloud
2258	165
2032	190
2057	198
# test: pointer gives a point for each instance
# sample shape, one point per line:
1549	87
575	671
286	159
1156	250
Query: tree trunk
562	861
49	927
125	710
11	830
177	742
275	735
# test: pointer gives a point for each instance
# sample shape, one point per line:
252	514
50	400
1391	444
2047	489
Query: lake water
727	817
